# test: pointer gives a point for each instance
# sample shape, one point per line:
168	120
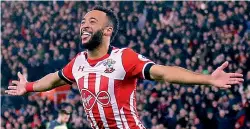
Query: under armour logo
81	68
89	99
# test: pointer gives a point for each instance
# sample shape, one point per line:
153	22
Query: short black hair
112	18
63	108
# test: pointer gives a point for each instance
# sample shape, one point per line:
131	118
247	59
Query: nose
85	25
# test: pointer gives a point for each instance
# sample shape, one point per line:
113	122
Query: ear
108	31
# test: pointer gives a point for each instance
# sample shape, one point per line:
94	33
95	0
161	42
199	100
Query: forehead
95	14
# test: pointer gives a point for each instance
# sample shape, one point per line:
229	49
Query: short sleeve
66	73
136	65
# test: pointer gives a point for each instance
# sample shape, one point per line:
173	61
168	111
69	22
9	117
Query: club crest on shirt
109	63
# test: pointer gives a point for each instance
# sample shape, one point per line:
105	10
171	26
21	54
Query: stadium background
41	37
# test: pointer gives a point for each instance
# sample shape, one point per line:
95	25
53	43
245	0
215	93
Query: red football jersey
107	86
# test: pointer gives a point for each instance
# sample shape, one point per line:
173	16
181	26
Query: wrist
30	86
210	80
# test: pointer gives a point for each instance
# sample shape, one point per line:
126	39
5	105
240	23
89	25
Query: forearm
180	75
48	82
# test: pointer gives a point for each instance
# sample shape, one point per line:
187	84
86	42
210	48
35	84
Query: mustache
94	41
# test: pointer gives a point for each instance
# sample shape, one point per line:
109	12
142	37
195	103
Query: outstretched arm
174	74
46	83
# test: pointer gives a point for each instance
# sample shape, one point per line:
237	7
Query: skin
96	20
92	22
63	118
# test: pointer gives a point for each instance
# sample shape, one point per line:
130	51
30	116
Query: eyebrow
90	19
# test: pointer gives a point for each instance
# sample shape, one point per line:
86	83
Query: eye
82	22
92	22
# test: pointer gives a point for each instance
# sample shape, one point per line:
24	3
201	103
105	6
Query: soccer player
106	76
65	110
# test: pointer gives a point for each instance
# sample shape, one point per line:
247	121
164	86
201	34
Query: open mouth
85	35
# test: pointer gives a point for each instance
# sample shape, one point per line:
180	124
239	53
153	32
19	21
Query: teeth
86	33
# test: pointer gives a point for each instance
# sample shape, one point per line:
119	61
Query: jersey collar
93	62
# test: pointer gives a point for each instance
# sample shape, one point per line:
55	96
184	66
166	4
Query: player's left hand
224	80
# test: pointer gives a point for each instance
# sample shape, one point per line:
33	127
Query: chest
109	68
97	83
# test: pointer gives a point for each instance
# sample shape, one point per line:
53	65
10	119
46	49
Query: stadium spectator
62	120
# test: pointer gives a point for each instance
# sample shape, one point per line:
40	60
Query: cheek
67	117
81	27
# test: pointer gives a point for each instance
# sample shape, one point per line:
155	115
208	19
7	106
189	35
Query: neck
100	51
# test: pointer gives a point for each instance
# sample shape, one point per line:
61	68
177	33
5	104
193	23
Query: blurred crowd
39	112
41	37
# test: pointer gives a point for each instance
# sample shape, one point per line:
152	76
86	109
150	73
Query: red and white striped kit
107	87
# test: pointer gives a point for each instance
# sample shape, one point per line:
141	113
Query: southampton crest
109	65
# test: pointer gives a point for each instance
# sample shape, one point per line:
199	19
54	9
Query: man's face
92	29
222	113
210	115
65	114
65	118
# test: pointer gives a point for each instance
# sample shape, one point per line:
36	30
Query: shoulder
53	124
78	56
127	51
123	52
118	50
130	54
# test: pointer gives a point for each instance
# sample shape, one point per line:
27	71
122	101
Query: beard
94	41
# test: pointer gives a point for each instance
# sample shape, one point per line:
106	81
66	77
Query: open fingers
20	76
227	86
233	82
15	82
224	65
224	86
236	79
235	75
12	87
11	92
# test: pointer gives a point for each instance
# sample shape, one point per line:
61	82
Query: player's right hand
19	88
